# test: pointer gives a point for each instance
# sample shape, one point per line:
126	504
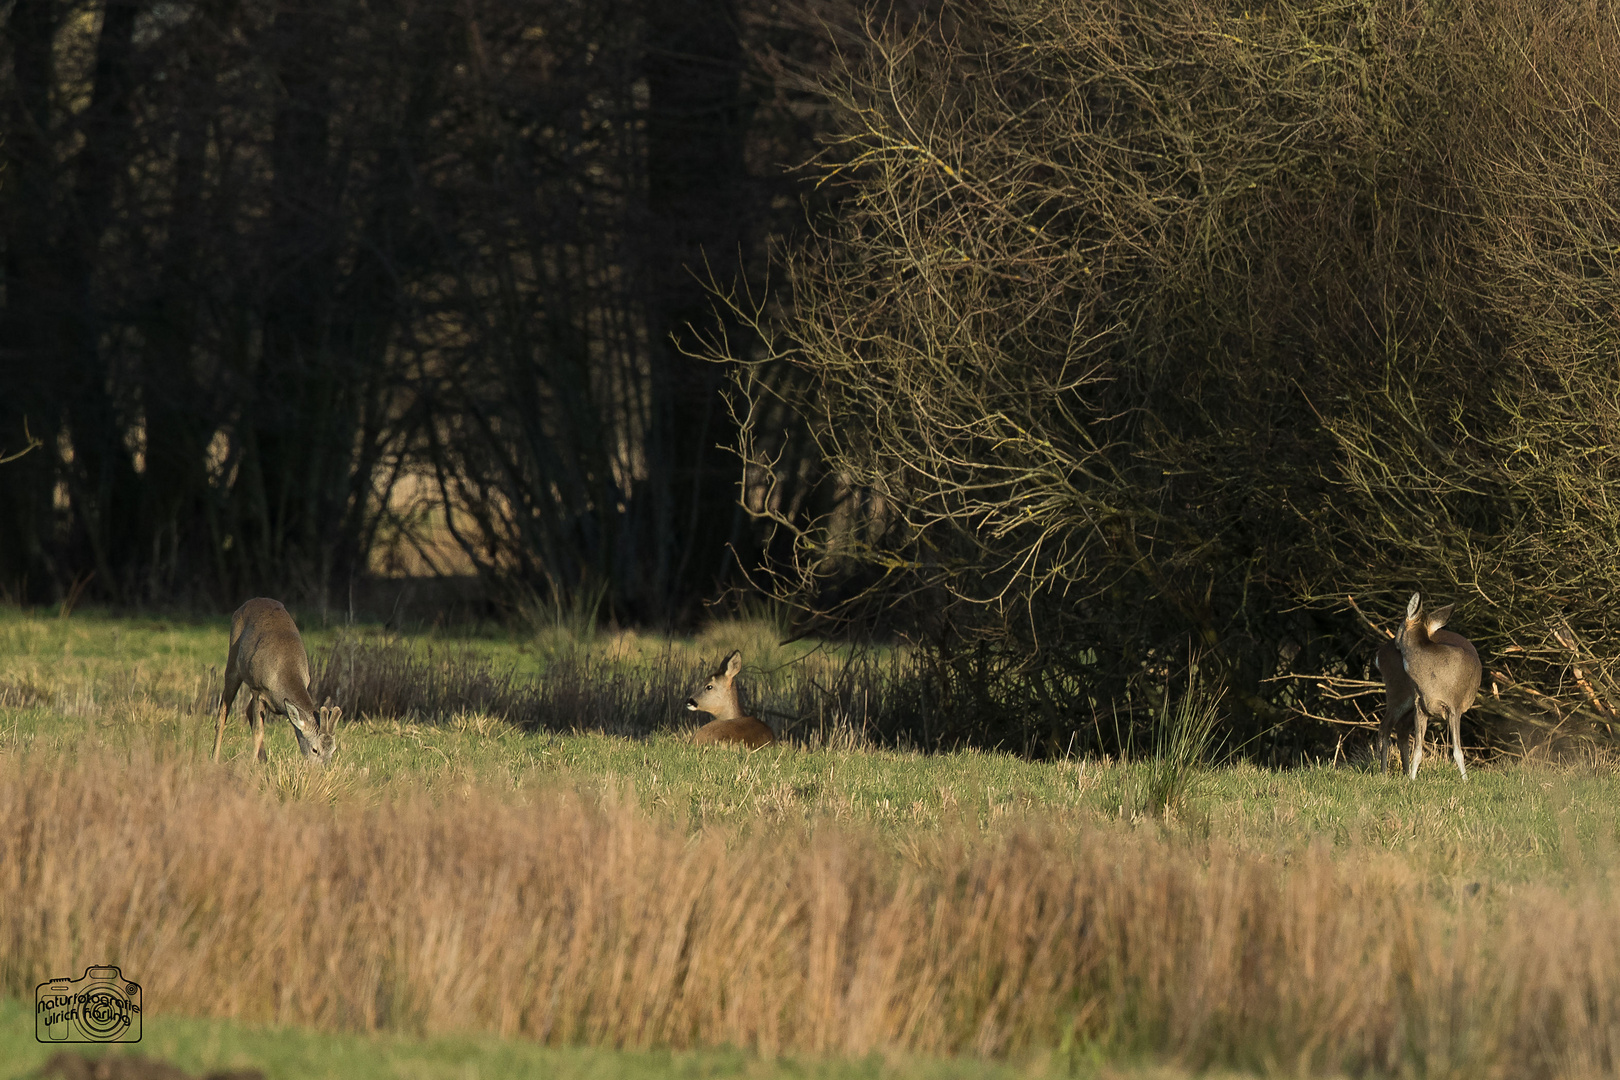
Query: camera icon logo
99	1007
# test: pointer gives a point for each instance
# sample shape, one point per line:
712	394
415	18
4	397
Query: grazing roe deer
268	656
718	698
1444	669
1400	698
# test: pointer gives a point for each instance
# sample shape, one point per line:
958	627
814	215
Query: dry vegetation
569	919
469	876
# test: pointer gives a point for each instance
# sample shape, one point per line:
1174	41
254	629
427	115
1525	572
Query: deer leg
219	729
1456	739
1420	720
1390	727
1401	740
1384	732
256	719
226	699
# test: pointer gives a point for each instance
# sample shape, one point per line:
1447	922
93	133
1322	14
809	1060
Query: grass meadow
475	887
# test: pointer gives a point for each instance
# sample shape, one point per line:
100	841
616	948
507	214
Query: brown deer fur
1444	671
718	698
267	655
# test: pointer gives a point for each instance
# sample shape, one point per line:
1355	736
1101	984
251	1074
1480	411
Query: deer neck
1416	636
730	707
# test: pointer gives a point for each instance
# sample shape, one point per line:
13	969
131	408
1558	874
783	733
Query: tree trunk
29	368
179	424
695	186
295	403
102	478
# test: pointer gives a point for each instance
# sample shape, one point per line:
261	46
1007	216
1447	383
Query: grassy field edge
200	1046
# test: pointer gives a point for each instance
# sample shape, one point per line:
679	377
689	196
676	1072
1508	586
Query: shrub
1143	324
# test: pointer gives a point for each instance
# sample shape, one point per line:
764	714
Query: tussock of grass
576	920
288	777
1182	741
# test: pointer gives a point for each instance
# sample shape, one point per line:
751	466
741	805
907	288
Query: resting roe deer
718	698
267	655
1444	670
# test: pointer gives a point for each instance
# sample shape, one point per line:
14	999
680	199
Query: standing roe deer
268	655
719	699
1444	670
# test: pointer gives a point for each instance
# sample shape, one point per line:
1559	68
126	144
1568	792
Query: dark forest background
283	281
1079	343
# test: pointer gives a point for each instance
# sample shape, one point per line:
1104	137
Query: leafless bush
1485	470
1144	323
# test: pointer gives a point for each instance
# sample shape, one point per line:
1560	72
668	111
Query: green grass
1511	823
1515	822
99	681
201	1046
93	681
101	647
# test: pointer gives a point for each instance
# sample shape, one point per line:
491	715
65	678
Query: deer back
1442	664
268	655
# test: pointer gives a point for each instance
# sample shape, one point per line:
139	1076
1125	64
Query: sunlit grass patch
477	724
202	1045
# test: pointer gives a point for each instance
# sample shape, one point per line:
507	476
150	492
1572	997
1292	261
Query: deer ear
1412	605
1437	619
733	663
307	725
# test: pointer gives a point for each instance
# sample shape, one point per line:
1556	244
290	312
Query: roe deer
1400	697
268	655
718	698
1444	670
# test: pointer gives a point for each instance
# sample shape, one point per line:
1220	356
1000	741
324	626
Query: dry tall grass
822	697
567	920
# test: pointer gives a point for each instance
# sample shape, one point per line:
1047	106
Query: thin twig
1372	724
1377	630
1567	641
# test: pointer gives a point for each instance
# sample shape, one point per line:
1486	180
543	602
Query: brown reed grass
570	919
